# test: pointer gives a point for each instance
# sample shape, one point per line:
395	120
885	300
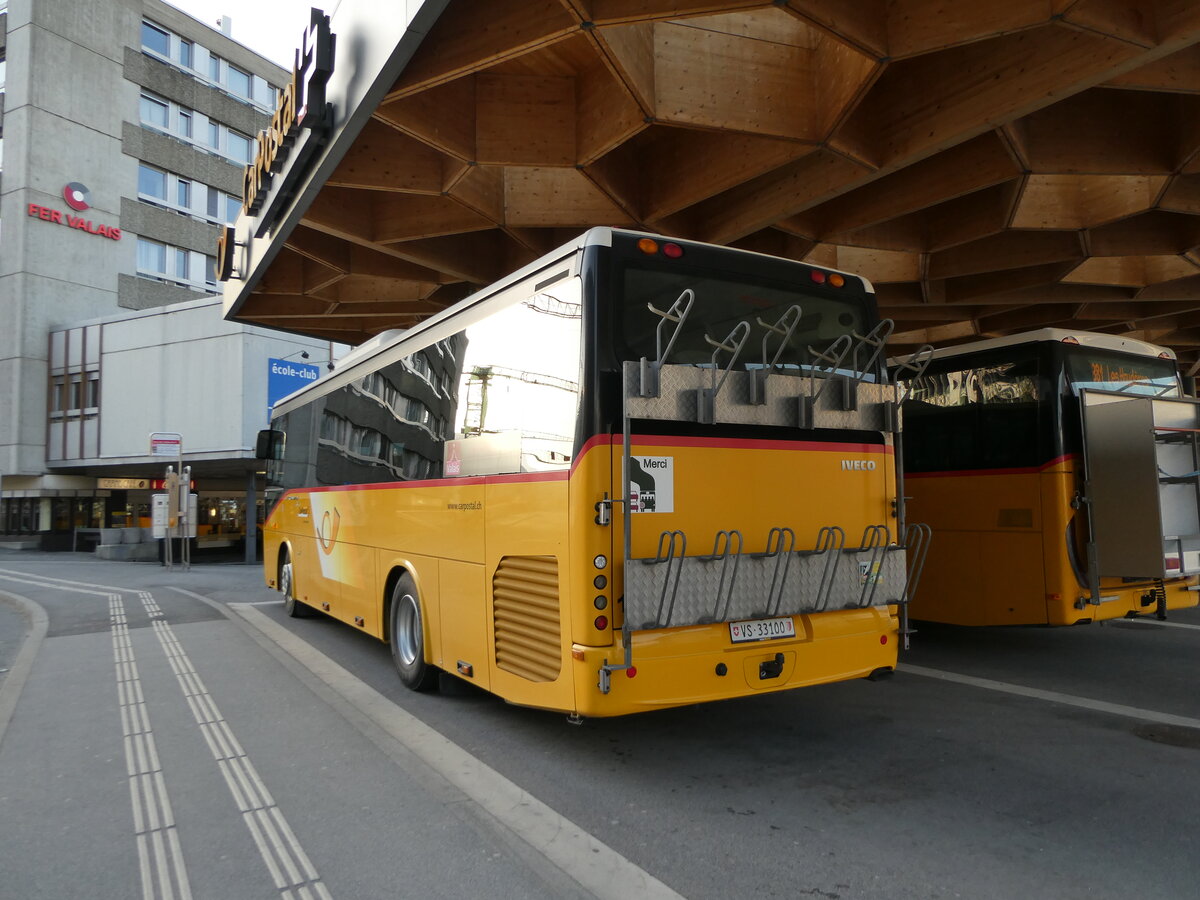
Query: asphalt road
285	759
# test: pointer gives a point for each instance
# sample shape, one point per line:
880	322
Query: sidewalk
157	746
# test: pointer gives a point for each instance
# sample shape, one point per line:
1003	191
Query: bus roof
349	366
1056	335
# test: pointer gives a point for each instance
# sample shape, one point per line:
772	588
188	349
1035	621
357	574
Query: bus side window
980	418
518	393
391	424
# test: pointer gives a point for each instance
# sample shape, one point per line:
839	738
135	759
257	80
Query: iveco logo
863	465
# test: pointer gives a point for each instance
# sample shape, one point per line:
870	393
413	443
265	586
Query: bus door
1141	486
745	503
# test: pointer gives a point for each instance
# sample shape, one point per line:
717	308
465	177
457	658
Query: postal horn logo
77	195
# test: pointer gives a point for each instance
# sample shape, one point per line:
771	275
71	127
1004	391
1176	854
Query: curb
14	682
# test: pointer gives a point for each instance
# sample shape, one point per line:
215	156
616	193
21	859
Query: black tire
287	587
407	632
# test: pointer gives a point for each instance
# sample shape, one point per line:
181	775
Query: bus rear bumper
700	664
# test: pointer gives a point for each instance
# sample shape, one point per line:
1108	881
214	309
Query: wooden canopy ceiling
991	166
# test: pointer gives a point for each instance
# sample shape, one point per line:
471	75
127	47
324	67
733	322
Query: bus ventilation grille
525	607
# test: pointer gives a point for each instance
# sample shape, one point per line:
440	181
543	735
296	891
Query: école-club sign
286	377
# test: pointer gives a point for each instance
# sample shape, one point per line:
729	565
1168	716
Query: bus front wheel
408	638
287	586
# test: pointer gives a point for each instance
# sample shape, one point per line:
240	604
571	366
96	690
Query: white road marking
1168	623
1115	709
151	808
160	859
594	865
282	852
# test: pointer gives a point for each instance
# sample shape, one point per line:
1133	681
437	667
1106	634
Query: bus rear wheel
408	638
287	586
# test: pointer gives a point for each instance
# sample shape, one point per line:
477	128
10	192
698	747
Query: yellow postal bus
1058	471
635	474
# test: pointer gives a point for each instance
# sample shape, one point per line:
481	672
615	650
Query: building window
154	38
152	182
182	52
187	268
233	208
159	113
155	112
264	93
92	398
238	82
151	256
239	147
186	196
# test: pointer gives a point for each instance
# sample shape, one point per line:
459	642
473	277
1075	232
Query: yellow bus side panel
985	563
291	526
986	568
463	633
527	520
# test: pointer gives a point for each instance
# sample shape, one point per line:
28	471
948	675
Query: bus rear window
721	302
1107	371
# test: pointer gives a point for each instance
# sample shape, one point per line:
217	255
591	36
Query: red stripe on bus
600	440
514	478
605	440
756	444
1028	470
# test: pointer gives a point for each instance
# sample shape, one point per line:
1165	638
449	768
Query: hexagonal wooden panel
991	166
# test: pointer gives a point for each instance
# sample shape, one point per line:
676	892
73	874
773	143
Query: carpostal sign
79	199
298	129
301	107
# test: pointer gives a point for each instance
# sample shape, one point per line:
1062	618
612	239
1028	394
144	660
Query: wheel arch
285	549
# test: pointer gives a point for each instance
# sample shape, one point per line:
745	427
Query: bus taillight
601	623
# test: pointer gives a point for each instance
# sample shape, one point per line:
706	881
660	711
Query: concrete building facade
128	125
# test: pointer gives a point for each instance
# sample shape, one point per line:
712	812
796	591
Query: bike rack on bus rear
729	584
